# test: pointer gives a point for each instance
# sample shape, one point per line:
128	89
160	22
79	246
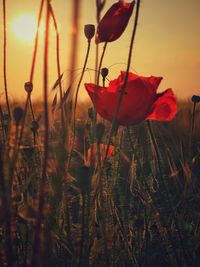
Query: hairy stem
125	79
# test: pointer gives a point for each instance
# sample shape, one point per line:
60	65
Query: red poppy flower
102	150
140	101
114	22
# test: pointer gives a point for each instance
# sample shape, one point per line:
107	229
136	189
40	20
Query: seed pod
100	130
195	98
89	30
104	72
18	114
28	86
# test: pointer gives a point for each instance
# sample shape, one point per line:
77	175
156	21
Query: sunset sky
167	44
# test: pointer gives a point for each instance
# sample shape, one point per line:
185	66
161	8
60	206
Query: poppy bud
100	130
89	30
114	22
34	126
195	98
18	114
83	177
28	86
90	113
104	72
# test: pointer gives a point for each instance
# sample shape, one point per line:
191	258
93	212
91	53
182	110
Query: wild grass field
109	182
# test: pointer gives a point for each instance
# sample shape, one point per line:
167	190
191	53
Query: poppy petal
165	107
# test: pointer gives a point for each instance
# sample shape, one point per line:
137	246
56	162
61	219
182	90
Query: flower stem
35	53
79	83
125	79
28	99
37	242
5	57
58	64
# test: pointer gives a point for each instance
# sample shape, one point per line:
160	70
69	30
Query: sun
25	27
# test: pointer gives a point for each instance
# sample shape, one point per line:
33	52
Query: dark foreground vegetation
139	208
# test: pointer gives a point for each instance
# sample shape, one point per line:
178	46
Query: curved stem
36	42
58	63
125	79
35	53
4	58
79	84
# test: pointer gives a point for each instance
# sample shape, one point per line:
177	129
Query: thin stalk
186	254
16	152
35	53
125	79
81	253
98	73
58	64
130	252
103	207
37	242
3	136
5	198
28	98
192	132
73	61
79	83
5	58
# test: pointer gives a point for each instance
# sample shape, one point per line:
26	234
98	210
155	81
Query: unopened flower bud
195	98
18	114
34	126
28	86
104	72
100	130
89	30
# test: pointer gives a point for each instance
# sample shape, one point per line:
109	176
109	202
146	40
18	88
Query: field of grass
80	190
140	208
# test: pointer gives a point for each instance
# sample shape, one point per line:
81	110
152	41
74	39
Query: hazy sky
167	44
